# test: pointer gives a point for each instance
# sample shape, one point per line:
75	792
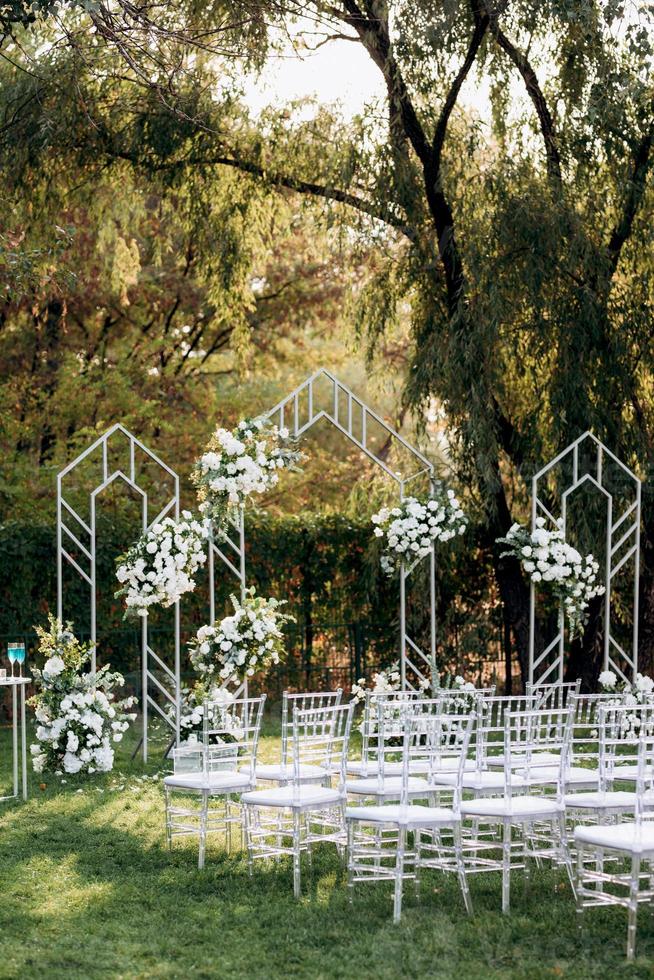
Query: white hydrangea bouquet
160	567
79	718
246	643
386	681
239	463
411	528
547	558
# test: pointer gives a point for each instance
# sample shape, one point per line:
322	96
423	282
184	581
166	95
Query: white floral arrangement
79	718
161	566
386	681
191	715
246	643
240	463
641	691
548	559
411	529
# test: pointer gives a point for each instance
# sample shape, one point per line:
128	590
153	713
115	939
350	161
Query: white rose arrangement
160	567
548	559
241	645
79	718
240	463
411	529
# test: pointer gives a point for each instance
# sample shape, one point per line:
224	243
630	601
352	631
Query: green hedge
326	566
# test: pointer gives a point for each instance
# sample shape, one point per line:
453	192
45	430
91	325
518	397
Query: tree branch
481	25
633	196
535	93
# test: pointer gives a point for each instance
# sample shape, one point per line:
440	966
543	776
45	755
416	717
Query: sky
339	71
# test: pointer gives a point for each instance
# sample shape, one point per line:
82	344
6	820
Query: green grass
88	889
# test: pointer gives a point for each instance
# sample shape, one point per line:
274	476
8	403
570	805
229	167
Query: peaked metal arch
169	686
548	665
298	412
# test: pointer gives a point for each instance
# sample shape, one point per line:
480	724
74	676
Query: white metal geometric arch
298	412
548	665
168	687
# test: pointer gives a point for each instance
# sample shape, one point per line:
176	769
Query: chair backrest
303	701
645	779
528	734
585	732
230	732
492	715
553	695
620	729
428	736
320	738
392	702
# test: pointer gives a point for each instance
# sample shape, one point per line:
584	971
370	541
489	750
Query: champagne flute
11	654
19	653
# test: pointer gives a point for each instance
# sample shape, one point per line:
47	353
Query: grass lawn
88	889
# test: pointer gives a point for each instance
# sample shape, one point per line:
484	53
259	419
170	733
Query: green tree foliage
515	244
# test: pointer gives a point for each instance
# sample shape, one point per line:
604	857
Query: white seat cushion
405	816
574	776
357	767
223	781
518	807
600	801
392	786
629	772
619	837
536	759
294	797
447	763
484	780
278	773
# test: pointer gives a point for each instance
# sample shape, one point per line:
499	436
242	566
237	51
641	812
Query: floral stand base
19	744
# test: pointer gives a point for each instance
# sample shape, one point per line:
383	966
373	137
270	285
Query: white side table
18	684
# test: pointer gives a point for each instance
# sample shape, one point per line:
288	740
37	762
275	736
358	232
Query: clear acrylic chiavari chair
540	819
618	729
367	764
282	772
378	841
320	738
214	770
629	880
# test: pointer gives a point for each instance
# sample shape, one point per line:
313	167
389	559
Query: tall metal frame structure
548	665
169	686
298	412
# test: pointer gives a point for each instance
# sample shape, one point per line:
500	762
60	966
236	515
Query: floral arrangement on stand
548	559
411	528
79	718
246	643
239	463
159	568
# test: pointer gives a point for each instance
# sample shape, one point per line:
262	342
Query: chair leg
247	817
506	866
578	889
350	860
461	869
564	851
399	874
297	829
633	906
204	815
417	844
169	834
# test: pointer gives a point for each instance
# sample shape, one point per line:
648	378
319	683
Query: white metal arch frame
622	533
169	686
298	412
